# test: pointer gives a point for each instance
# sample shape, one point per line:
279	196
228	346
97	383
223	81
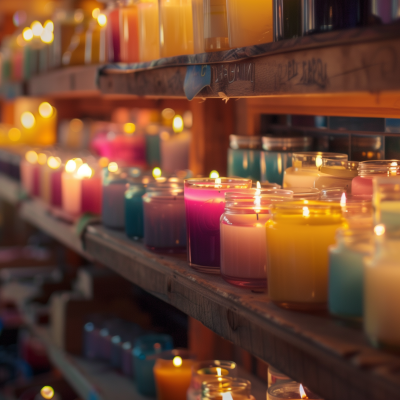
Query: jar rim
300	204
245	142
222	183
286	143
378	167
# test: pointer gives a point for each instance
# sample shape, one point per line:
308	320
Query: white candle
71	187
174	151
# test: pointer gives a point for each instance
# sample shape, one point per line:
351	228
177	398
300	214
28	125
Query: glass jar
382	280
149	38
174	150
346	271
250	23
266	185
129	32
275	376
298	236
215	25
205	201
205	371
331	15
176	27
113	33
305	193
115	183
277	155
305	169
198	26
289	390
336	173
386	10
288	21
366	148
231	388
362	184
164	219
244	157
332	193
145	352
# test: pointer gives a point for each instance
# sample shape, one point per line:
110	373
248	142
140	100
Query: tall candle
204	200
174	151
129	33
30	173
55	166
44	180
149	42
71	187
91	190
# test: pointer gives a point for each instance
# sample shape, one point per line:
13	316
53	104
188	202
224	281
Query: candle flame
227	396
219	371
177	361
70	166
306	212
157	172
84	171
53	162
113	167
318	161
343	200
214	174
379	230
302	392
258	185
393	168
47	392
177	124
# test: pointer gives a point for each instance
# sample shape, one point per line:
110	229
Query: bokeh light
102	20
214	174
27	34
45	110
113	167
37	28
177	124
129	128
14	134
27	120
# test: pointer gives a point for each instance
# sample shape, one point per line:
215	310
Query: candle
289	391
30	173
55	166
129	33
305	169
198	26
146	350
176	28
277	155
215	25
298	237
44	178
174	149
250	23
346	271
337	173
152	137
71	187
91	190
243	237
149	43
204	201
227	388
275	376
113	34
172	374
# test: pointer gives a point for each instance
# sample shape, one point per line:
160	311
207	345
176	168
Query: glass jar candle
305	168
243	240
149	40
367	170
288	19
381	292
198	26
305	193
164	219
115	183
205	201
275	376
244	157
129	32
206	371
250	23
289	391
172	374
145	353
174	150
298	236
215	25
336	173
227	388
277	155
30	173
176	27
386	10
346	271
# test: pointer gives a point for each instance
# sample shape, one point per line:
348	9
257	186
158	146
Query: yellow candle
172	378
149	38
298	237
250	22
227	388
176	28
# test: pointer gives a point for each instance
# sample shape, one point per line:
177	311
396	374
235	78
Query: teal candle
346	272
134	210
153	157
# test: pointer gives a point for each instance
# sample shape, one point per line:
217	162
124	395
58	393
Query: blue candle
346	272
153	157
134	210
144	357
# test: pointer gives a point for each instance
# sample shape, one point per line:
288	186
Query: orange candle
173	375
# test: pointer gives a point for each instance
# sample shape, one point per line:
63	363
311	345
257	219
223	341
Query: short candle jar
277	155
275	376
300	193
289	391
243	238
298	236
205	201
227	388
305	169
346	271
367	170
206	371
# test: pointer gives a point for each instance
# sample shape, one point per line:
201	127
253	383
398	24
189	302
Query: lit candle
298	237
129	33
204	200
336	173
289	391
227	389
71	187
91	189
149	41
174	150
54	164
172	373
30	173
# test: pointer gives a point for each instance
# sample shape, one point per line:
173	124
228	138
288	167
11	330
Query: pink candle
30	173
91	195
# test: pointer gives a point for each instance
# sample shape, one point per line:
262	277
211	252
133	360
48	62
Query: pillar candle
129	33
174	151
91	195
71	188
149	42
44	178
134	209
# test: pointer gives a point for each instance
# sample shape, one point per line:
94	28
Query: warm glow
53	162
70	166
177	124
164	135
129	128
168	113
214	174
227	396
49	26
306	212
47	392
76	125
78	16
84	171
258	190
37	28
27	120
113	167
47	36
31	156
258	185
103	162
96	13
343	200
102	20
219	371
45	110
218	181
27	34
302	392
379	230
42	158
393	168
177	361
156	172
14	134
318	161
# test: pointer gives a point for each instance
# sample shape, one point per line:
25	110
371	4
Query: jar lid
218	183
313	159
379	167
296	143
245	142
300	193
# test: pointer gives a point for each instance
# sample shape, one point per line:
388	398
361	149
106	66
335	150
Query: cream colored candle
149	38
71	188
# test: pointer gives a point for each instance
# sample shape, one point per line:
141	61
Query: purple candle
55	184
205	202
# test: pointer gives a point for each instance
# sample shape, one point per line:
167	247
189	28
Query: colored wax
113	210
71	193
215	25
55	183
134	211
129	34
273	165
245	163
91	195
149	43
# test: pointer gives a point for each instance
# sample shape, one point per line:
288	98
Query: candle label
197	78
